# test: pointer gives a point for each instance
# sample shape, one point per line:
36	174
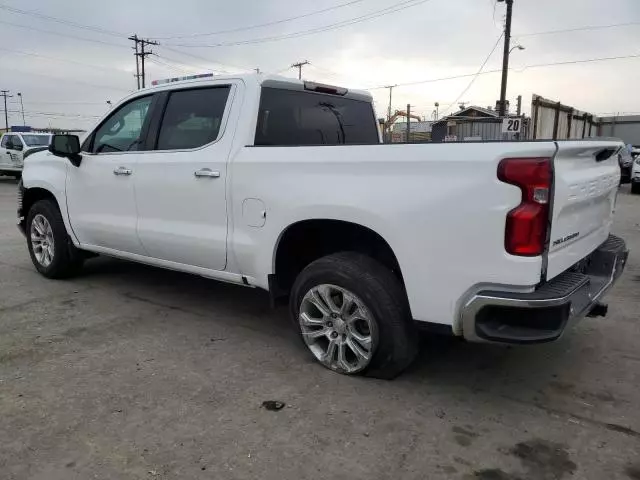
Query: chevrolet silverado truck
283	185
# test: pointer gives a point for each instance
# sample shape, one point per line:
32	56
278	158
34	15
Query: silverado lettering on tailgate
565	239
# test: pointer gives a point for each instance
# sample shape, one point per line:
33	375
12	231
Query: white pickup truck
282	184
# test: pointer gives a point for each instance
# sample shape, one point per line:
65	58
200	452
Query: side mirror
18	147
66	146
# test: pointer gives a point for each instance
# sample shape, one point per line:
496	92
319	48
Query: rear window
192	118
288	117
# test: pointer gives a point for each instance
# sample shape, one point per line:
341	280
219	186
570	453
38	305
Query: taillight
526	227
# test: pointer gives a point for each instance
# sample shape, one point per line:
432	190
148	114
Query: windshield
36	140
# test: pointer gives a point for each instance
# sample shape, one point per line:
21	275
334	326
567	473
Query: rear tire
366	315
635	188
52	251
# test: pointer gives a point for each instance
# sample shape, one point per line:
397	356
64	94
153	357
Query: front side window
12	141
192	118
122	130
290	117
36	140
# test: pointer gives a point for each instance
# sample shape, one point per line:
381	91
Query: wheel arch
27	197
304	241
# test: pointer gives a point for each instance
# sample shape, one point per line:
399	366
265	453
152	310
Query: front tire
51	250
635	188
352	314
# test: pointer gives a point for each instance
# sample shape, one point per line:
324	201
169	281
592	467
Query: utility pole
140	55
134	38
390	87
24	123
4	93
257	70
299	66
388	132
437	105
143	54
505	57
518	113
408	122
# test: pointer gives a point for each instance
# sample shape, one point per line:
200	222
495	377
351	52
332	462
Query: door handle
122	171
206	172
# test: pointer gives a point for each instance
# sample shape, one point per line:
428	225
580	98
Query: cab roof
258	80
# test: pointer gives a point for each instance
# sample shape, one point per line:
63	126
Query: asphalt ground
131	372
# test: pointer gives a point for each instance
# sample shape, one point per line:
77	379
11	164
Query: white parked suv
16	146
282	185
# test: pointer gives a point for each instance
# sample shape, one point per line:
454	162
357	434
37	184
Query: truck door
12	152
100	192
181	183
5	158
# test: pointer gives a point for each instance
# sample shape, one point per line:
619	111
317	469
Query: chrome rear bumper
544	314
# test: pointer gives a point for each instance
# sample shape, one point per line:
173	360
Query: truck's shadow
444	361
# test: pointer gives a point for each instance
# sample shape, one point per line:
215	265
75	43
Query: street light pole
24	123
505	57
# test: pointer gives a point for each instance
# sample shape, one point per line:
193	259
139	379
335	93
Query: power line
83	39
281	71
177	63
573	62
108	87
204	59
58	59
61	102
520	69
42	16
579	29
370	16
475	77
260	25
53	114
326	70
158	62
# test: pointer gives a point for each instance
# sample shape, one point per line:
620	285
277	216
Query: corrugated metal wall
554	121
487	129
475	129
626	128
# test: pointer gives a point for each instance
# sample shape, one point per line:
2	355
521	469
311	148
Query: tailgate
586	179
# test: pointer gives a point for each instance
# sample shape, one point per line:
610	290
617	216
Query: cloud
438	38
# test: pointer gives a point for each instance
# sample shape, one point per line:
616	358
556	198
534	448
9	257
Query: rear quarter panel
440	207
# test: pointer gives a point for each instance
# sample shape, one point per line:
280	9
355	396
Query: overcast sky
407	41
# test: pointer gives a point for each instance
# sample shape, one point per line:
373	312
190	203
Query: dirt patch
493	474
464	436
544	460
633	471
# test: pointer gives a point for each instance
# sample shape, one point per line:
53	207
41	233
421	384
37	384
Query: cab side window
11	142
121	132
192	118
